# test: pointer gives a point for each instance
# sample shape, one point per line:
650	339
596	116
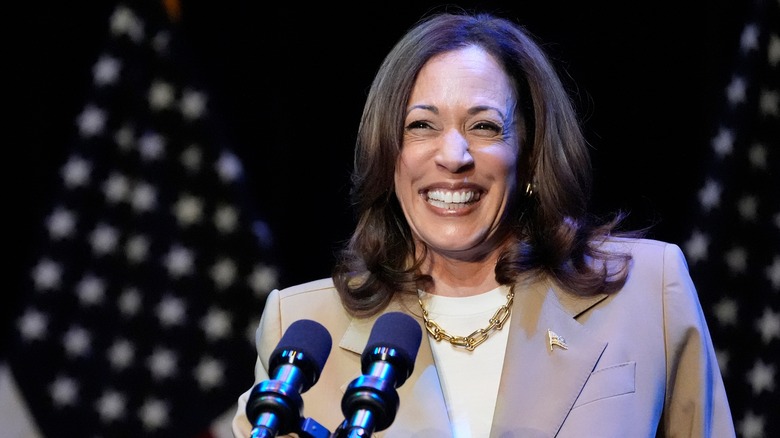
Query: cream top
469	378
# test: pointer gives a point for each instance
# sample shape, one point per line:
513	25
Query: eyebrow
480	108
471	111
430	108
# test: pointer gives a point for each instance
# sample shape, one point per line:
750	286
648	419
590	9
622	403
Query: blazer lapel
541	380
538	385
422	405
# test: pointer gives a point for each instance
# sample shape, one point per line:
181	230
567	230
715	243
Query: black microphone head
311	343
399	333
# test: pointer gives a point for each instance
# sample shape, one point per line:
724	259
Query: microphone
370	402
275	405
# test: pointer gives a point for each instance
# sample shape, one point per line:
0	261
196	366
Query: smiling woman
650	77
455	178
471	183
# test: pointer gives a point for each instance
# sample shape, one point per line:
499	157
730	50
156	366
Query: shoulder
642	249
651	261
316	299
654	263
315	286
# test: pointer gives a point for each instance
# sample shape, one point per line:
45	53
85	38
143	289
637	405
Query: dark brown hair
554	233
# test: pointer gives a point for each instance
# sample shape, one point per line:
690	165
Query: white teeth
449	199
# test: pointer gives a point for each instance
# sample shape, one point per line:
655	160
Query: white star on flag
152	267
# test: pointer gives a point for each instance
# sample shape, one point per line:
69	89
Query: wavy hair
553	231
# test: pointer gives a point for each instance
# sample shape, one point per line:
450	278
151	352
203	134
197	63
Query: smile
451	200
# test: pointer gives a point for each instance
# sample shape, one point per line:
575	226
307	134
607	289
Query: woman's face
455	176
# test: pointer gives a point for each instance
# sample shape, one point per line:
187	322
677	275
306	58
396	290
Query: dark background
288	81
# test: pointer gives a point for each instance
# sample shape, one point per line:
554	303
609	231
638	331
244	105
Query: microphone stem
360	425
262	432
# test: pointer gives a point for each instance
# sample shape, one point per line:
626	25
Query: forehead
472	57
466	54
467	71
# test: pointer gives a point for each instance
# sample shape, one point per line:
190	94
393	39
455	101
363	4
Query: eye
488	126
418	124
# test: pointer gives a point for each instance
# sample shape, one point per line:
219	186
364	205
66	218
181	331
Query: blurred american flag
152	268
734	246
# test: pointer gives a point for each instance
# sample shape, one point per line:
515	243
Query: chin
453	244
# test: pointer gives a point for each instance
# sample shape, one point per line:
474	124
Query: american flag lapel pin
556	340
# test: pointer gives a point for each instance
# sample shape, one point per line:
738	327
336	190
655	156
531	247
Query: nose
453	153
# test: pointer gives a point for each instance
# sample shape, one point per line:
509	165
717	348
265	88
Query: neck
459	278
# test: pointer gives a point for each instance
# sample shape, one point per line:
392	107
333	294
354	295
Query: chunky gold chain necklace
479	336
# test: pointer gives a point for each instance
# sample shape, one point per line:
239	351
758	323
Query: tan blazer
639	363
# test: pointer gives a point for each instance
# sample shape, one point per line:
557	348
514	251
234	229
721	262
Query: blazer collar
548	360
539	382
356	336
422	404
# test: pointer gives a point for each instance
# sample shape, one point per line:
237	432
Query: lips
452	199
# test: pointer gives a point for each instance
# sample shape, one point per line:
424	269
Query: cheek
506	173
407	168
504	162
400	172
510	164
401	179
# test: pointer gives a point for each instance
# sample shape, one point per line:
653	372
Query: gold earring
529	189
